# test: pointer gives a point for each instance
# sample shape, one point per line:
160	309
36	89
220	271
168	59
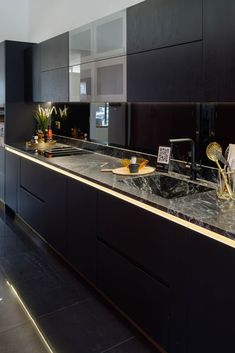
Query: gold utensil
213	152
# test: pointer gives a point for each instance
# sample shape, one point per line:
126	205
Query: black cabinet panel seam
29	192
165	47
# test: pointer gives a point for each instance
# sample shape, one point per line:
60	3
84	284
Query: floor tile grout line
117	345
63	308
27	321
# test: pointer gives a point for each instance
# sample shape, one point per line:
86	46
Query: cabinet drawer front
12	164
135	233
145	300
32	210
43	183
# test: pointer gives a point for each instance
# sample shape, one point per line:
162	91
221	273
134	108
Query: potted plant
43	117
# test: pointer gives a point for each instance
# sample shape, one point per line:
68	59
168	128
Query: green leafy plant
43	117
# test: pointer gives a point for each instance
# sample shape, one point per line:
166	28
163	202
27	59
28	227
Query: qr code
163	154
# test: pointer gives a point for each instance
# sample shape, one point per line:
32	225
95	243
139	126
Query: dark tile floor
72	317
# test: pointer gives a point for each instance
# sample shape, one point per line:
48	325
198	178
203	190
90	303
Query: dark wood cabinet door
42	202
136	234
144	299
219	50
12	180
55	52
55	85
36	73
82	204
2	73
2	173
168	74
15	70
154	24
211	288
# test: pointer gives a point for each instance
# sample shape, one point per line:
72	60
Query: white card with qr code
163	154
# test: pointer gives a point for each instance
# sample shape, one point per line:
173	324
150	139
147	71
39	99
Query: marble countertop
202	209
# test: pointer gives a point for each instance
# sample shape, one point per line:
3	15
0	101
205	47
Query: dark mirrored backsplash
143	127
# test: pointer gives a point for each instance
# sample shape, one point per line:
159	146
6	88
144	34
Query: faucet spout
193	161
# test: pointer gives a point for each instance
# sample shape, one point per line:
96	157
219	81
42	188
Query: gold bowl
141	161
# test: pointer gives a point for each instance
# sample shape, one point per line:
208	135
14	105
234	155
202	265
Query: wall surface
14	20
50	18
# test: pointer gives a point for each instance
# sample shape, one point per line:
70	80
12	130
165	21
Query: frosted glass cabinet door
81	45
110	80
81	83
110	36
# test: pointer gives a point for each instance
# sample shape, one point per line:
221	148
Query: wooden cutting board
126	171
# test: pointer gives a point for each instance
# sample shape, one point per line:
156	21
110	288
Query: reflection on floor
71	316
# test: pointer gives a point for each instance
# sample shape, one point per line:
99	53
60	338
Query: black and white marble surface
193	203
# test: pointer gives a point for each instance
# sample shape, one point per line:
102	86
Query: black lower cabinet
42	199
142	266
82	205
145	300
2	173
211	291
12	164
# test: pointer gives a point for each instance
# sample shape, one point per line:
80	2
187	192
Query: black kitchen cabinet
154	24
210	296
143	298
13	81
55	52
82	205
219	50
168	74
14	89
2	73
42	196
36	73
12	166
136	234
55	85
137	251
2	173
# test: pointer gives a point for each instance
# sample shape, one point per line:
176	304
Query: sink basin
165	186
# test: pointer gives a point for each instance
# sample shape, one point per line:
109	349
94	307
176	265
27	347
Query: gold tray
126	171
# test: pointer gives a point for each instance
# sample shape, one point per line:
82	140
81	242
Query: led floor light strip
31	318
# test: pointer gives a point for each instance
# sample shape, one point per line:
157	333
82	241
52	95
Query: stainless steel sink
165	186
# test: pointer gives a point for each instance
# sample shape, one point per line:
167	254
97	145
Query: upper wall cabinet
36	73
153	24
81	45
81	83
102	39
99	81
2	73
219	50
110	36
55	85
55	52
165	75
110	80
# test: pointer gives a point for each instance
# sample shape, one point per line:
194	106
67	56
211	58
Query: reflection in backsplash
145	126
